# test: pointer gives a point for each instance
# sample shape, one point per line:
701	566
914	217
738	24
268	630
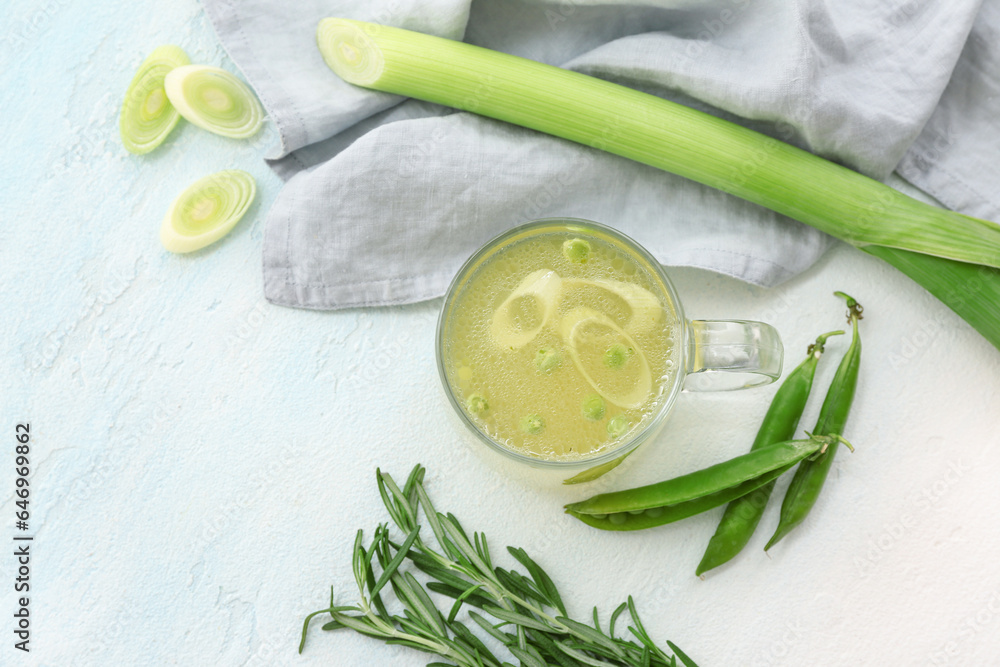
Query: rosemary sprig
530	619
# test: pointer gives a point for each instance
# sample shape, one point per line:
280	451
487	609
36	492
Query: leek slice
645	310
207	210
214	100
526	310
588	334
653	131
147	116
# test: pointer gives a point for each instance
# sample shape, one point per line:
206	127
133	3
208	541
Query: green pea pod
658	516
780	423
810	476
707	488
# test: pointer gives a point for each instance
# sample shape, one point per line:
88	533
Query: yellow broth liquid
551	411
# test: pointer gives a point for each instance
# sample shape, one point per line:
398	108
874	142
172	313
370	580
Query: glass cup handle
724	355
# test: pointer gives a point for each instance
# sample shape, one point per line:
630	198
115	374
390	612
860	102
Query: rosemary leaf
430	612
517	619
580	656
359	624
408	593
483	549
591	635
394	564
415	478
502	637
614	617
542	580
459	600
430	514
551	650
375	597
407	516
358	559
688	662
462	632
518	584
527	658
386	499
452	592
461	541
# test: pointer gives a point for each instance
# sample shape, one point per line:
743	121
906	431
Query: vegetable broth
561	345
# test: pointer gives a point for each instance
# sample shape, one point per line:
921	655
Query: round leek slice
147	116
527	310
645	310
207	210
214	100
588	334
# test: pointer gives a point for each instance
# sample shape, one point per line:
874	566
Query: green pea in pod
810	476
780	423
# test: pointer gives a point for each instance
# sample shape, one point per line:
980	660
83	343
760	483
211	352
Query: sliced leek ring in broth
207	210
642	310
588	334
214	100
147	116
526	310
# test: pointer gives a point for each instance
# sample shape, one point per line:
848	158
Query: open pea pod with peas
772	454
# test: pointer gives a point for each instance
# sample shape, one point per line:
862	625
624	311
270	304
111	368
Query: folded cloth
386	197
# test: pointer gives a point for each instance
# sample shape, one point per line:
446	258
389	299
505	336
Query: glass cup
707	355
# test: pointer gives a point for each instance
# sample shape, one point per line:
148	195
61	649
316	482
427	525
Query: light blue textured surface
201	459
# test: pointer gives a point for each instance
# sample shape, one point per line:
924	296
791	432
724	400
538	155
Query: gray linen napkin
385	197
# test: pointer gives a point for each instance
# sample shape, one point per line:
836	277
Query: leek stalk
684	141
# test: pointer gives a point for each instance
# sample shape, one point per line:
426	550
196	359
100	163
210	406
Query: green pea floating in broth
617	426
477	404
617	355
532	424
594	407
576	250
547	359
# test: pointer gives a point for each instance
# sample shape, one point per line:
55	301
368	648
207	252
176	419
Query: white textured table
201	459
